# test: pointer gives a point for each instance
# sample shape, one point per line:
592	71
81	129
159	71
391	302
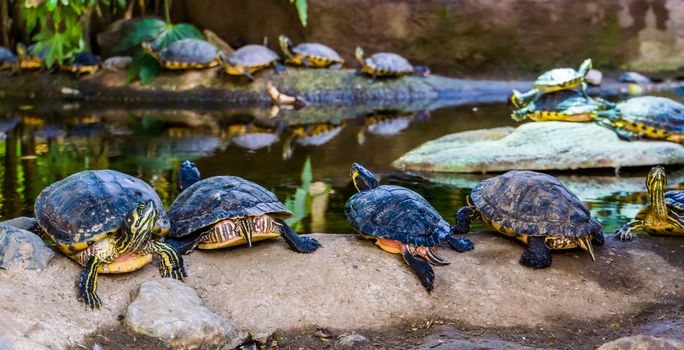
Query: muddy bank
350	285
318	87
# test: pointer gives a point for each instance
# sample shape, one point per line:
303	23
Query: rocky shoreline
351	287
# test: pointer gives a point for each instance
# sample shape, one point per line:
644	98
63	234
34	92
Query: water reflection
42	144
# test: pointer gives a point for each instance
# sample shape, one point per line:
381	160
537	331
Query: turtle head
363	179
148	49
359	55
285	44
585	67
188	174
139	224
655	183
21	50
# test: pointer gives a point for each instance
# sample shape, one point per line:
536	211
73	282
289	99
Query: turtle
225	211
315	134
250	59
563	105
312	55
83	62
30	58
108	222
8	60
534	208
185	54
400	221
665	213
555	80
649	117
383	64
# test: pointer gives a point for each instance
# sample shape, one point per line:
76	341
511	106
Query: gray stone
22	222
173	312
643	342
117	63
634	78
353	341
537	146
4	345
22	249
594	77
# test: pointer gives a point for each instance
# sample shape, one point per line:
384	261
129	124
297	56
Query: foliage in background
161	34
60	25
301	6
299	203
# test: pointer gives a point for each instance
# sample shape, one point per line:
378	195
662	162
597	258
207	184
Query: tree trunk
5	23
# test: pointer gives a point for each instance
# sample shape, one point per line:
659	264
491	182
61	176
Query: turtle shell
85	58
318	51
675	199
87	206
564	101
7	56
189	51
218	198
533	204
40	54
396	213
557	76
660	112
390	62
253	56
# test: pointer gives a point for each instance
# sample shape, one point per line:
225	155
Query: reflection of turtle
389	123
313	55
535	208
83	62
106	221
185	54
665	213
555	80
225	211
29	58
564	105
649	117
252	137
8	60
384	64
401	222
311	135
248	60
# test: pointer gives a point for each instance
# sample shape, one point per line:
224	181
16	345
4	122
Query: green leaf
307	174
144	30
136	65
149	70
301	10
51	5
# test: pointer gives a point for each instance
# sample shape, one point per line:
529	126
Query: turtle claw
307	244
624	235
535	260
177	273
90	299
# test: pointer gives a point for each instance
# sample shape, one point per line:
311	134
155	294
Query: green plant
60	25
161	34
301	6
299	204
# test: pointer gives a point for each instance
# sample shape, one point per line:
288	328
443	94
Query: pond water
44	144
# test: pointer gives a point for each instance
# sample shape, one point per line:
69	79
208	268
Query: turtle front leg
171	262
296	242
421	268
628	231
584	88
537	255
87	286
626	135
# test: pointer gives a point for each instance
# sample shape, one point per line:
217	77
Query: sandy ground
350	285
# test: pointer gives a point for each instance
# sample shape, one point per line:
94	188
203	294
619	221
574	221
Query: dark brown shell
88	205
533	204
218	198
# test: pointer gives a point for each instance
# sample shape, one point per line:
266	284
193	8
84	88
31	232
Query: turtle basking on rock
555	80
83	62
313	55
30	58
250	59
383	64
108	222
665	213
185	54
534	208
225	211
8	60
400	221
564	105
645	117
